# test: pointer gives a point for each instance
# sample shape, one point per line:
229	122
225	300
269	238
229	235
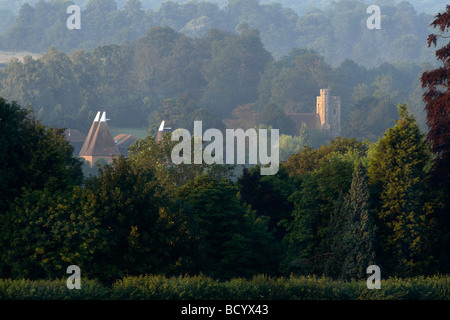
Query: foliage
309	233
353	231
309	159
166	75
267	196
337	31
24	289
144	230
261	287
148	153
397	172
233	241
38	168
437	107
322	214
44	232
32	155
272	115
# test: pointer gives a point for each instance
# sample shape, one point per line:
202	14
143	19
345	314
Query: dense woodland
336	31
377	195
222	73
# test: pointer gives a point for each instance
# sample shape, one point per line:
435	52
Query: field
5	56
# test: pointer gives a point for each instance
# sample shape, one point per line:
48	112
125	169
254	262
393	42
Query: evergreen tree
352	231
308	238
304	135
397	171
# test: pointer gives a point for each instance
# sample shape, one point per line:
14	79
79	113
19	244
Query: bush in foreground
261	287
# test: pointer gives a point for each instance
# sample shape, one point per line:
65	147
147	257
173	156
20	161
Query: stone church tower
329	109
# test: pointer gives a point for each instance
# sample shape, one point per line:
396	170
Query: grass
6	56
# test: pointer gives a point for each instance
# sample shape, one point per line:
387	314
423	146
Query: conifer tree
304	135
353	231
397	171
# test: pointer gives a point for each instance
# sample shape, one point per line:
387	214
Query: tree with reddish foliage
437	99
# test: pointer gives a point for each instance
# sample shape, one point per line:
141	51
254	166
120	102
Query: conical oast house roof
160	134
101	142
87	141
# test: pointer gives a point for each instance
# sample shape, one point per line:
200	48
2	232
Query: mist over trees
376	195
129	58
167	75
337	31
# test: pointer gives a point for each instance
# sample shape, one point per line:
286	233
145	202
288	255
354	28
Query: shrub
50	290
261	287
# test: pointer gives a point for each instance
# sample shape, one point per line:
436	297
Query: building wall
93	159
334	116
321	108
329	109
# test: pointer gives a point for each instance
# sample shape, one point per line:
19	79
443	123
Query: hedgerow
261	287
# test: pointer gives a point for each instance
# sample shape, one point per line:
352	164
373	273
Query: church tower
329	109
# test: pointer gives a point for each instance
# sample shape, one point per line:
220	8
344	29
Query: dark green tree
46	231
352	231
398	168
308	238
35	156
233	242
145	230
267	196
37	162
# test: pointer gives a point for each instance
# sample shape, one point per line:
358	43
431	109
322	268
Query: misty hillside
337	31
299	6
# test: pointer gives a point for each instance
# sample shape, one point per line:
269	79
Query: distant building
123	141
329	109
76	139
312	121
99	142
161	130
326	118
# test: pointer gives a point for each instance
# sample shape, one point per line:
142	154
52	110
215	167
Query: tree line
331	211
337	31
166	75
